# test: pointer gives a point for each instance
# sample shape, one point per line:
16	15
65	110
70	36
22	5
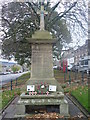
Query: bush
63	85
15	68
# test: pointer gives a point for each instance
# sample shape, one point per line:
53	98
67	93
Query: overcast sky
74	42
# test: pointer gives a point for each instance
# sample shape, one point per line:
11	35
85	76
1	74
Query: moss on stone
42	34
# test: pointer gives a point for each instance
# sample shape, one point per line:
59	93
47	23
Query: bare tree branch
65	12
33	9
53	9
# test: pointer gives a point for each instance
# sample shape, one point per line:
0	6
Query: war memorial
42	90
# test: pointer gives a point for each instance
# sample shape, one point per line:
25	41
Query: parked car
8	72
20	71
84	64
55	67
75	68
4	73
1	73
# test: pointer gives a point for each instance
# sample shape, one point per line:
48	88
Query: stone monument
42	89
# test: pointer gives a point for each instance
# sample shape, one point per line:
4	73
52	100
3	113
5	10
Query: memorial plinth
42	59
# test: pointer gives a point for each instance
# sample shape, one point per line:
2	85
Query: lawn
79	91
8	95
81	94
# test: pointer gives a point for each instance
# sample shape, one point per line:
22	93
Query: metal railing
70	76
17	82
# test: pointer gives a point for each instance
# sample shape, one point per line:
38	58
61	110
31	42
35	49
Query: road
6	78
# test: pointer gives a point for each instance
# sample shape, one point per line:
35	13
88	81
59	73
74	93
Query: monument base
42	100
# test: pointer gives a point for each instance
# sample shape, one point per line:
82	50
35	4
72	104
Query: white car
7	72
55	67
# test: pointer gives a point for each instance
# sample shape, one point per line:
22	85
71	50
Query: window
82	62
86	62
82	55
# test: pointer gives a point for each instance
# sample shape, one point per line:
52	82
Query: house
80	53
6	65
74	57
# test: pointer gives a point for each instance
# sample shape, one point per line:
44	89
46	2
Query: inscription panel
40	101
42	61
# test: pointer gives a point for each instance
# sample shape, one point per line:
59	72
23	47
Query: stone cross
42	12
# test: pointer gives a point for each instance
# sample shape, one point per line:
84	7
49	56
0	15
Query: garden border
2	111
78	104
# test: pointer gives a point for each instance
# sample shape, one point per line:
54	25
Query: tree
20	21
15	68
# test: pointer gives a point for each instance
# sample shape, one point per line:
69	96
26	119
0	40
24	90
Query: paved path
11	109
73	110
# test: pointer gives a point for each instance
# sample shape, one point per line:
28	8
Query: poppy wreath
42	88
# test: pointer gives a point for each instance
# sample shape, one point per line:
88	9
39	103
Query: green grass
0	100
67	90
81	94
24	76
8	95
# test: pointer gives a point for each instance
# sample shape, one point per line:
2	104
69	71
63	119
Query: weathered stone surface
64	108
42	34
54	96
20	109
40	101
52	99
42	63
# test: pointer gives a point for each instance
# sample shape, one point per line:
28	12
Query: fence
17	82
70	76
